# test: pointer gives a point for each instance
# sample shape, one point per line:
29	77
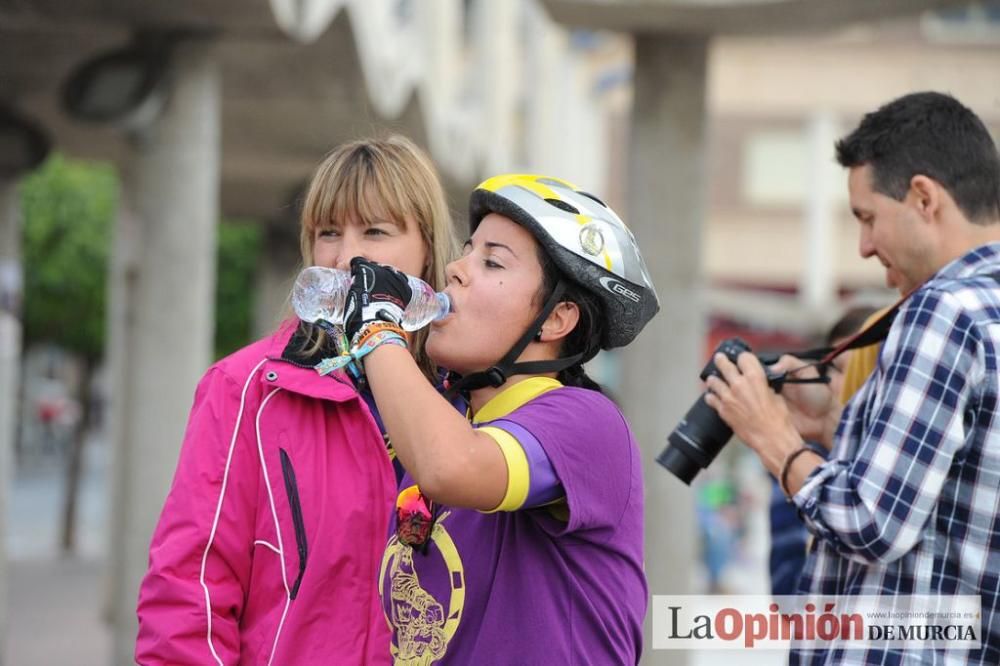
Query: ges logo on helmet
616	287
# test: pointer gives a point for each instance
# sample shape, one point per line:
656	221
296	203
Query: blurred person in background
519	526
859	365
789	536
907	502
718	525
268	546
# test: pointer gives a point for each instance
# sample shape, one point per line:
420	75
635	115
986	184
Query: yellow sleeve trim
518	475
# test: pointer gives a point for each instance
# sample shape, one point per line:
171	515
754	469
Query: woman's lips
451	312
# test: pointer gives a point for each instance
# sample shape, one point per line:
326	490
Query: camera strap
874	333
822	357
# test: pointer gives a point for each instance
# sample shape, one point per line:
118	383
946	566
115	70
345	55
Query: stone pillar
164	324
666	204
11	285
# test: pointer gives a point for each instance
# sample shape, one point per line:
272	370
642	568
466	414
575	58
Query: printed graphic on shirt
423	624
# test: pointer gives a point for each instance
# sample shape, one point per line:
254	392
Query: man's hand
377	293
743	398
815	410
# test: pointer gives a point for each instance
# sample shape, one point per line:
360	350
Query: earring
538	336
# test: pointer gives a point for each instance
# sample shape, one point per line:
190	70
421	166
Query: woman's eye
375	231
491	264
328	233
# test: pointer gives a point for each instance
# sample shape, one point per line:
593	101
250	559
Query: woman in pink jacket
269	543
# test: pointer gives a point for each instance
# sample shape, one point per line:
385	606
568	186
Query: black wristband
787	466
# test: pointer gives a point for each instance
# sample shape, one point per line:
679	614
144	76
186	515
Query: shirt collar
980	260
512	397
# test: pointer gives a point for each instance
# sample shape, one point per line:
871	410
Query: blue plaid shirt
909	502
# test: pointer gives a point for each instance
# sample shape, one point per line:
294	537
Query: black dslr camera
701	434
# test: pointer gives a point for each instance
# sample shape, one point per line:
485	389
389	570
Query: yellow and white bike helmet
589	244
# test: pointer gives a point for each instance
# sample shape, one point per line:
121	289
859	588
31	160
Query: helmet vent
562	205
591	196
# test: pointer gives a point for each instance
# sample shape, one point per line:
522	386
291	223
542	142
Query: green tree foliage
67	208
239	248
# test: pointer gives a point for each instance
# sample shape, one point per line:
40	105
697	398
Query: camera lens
678	462
695	442
701	434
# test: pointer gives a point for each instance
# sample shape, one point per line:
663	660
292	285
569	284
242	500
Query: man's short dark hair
934	135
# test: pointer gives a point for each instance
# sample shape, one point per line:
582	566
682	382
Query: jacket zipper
292	489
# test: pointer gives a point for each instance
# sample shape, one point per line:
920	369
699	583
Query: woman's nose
349	248
454	272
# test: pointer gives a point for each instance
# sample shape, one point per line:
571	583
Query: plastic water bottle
425	305
321	293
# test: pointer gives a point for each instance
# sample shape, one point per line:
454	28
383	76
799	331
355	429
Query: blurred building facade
778	219
776	105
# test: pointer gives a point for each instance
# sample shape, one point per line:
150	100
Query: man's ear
925	196
560	322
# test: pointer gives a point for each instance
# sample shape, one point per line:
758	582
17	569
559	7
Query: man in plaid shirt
909	501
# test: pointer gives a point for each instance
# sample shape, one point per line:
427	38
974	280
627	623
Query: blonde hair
374	179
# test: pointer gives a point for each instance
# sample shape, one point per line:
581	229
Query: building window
774	168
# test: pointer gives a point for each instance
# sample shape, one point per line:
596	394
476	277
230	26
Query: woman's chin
442	359
437	351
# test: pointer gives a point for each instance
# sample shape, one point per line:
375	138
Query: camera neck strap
874	333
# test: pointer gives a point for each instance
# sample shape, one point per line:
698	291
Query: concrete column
666	203
10	360
818	288
123	266
276	271
165	328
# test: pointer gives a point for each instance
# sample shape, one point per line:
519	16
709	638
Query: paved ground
55	614
56	603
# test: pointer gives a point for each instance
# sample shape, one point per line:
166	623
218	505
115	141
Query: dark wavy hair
586	337
934	135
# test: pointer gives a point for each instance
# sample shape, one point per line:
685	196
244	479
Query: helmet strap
507	367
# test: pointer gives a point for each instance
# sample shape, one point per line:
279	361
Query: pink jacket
268	547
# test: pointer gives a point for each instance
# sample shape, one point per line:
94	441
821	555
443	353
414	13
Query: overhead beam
241	16
736	17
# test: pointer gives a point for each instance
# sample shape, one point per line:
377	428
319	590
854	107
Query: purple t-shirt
527	587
